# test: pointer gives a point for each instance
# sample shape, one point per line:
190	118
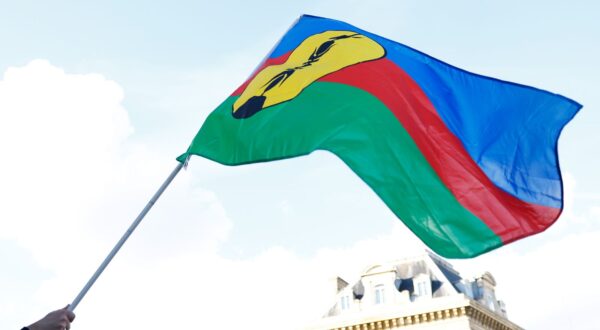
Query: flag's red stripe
509	217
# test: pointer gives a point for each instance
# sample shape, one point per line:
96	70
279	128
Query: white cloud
273	290
72	183
59	135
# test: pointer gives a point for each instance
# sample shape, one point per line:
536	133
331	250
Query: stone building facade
423	292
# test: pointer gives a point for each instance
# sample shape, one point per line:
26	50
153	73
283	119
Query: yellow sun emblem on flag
317	56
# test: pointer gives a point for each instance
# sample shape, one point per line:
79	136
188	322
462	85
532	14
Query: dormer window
422	289
422	286
345	303
379	294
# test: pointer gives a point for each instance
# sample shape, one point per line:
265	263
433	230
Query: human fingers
70	315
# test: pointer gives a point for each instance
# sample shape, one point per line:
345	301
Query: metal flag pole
124	238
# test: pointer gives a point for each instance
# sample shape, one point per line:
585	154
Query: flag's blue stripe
509	130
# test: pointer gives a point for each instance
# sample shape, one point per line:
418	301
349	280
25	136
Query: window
422	289
490	302
422	286
379	294
345	303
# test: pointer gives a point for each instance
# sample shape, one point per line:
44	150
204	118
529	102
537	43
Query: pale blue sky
175	61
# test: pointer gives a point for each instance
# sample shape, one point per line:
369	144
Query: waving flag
467	162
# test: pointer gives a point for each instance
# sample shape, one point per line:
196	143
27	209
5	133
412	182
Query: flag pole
124	238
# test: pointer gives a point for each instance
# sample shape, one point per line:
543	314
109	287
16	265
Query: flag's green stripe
360	130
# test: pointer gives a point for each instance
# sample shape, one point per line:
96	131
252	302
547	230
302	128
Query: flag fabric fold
469	163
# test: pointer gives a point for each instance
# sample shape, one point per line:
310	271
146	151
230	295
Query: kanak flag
469	163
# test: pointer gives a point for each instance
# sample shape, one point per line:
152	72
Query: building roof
443	280
418	289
